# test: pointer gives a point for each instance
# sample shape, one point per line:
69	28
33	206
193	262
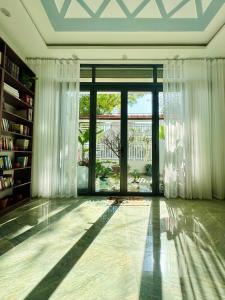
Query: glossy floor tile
90	249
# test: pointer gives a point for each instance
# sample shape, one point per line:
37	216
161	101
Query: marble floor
92	249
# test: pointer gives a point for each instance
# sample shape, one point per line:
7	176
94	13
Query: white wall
11	44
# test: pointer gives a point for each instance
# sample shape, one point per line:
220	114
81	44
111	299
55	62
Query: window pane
86	75
108	141
83	145
140	142
124	75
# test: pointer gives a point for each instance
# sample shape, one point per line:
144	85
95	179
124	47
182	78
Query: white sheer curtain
218	128
194	121
55	128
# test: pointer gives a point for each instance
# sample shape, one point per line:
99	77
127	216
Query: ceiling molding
186	15
127	46
121	45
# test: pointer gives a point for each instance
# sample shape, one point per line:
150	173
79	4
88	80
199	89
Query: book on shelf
5	125
5	162
6	143
21	161
30	114
22	144
1	56
12	68
25	113
27	99
11	90
6	181
21	129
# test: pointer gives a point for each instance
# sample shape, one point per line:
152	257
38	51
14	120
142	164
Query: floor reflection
151	285
197	229
89	248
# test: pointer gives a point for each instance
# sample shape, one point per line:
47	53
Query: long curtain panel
218	128
194	118
54	171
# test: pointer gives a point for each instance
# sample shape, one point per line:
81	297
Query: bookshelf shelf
13	117
16	151
17	91
15	186
22	184
6	189
12	81
9	133
14	101
16	169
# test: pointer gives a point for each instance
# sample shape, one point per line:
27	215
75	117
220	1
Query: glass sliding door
108	141
121	139
139	149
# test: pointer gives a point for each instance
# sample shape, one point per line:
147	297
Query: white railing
139	141
135	152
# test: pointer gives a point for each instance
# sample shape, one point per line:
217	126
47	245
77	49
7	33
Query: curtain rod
125	60
50	58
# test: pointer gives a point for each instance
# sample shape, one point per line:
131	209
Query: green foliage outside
101	170
162	132
136	175
83	138
106	103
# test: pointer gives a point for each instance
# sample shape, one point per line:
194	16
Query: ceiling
129	15
116	29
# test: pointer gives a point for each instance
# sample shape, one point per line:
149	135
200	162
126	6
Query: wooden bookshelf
15	118
15	169
15	134
17	91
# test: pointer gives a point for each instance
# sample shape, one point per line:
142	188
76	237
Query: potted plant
136	176
27	80
135	182
103	173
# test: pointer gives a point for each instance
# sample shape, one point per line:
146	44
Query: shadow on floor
11	243
151	281
52	280
197	236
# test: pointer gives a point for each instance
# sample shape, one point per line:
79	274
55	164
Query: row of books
12	68
6	181
6	143
20	96
14	92
5	124
22	144
26	114
27	99
21	129
21	161
17	128
11	90
5	162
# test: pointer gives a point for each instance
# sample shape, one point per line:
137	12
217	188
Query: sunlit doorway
121	131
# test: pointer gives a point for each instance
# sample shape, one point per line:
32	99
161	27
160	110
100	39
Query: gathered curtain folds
194	103
54	165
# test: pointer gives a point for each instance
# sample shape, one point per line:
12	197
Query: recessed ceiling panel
131	15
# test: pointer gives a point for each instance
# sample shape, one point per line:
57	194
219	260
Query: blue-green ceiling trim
130	23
